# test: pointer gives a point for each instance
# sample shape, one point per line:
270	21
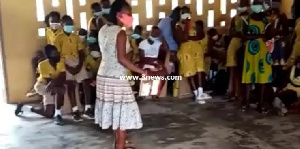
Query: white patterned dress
115	103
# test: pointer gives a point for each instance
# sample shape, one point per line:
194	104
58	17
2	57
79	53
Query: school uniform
69	47
92	65
47	71
51	35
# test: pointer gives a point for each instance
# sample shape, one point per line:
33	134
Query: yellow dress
207	60
235	44
296	48
191	57
257	62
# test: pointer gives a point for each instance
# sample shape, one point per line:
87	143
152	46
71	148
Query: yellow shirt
48	72
68	46
91	25
92	64
51	35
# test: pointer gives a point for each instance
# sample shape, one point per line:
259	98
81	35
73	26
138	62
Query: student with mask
72	51
54	28
257	62
136	39
191	55
116	106
50	85
105	5
97	21
235	44
82	33
152	56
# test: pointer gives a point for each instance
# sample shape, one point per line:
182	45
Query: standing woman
235	44
115	104
257	62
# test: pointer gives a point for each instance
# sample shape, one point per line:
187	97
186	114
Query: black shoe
89	114
18	109
58	120
77	116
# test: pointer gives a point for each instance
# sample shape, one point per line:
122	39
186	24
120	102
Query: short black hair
48	48
46	21
54	14
93	33
82	32
176	12
115	8
95	6
66	18
185	8
211	32
104	1
199	23
155	27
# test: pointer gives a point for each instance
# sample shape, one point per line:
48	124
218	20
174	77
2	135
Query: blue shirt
167	32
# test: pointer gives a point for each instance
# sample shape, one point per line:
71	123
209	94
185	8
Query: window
41	32
210	18
174	4
222	23
149	11
69	7
55	3
199	7
233	12
40	11
83	20
187	1
223	6
161	15
162	2
135	20
233	1
149	27
211	1
134	2
82	2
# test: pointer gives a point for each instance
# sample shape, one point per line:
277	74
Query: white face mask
185	16
242	9
215	37
54	25
82	38
95	54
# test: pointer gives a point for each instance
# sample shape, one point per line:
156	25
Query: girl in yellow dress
235	44
257	62
191	55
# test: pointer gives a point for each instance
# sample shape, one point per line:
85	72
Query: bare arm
121	53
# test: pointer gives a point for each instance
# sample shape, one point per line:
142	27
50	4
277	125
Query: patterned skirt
116	105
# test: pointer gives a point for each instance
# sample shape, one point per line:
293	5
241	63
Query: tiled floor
167	125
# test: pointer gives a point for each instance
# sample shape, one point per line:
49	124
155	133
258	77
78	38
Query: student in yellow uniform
97	21
50	85
82	33
296	48
54	28
72	51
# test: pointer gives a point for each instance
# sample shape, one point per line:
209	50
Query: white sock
87	107
26	108
195	92
57	112
75	109
200	90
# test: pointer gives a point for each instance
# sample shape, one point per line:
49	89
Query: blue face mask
98	13
136	36
91	40
256	8
105	10
154	38
68	28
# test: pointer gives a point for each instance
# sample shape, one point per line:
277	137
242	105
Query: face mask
135	36
95	54
105	10
215	37
256	8
68	28
54	25
97	14
185	16
242	9
125	19
154	38
82	38
91	40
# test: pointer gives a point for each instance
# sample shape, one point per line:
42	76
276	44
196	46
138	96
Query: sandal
244	108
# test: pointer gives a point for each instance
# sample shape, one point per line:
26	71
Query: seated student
152	55
289	96
72	51
97	21
50	85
